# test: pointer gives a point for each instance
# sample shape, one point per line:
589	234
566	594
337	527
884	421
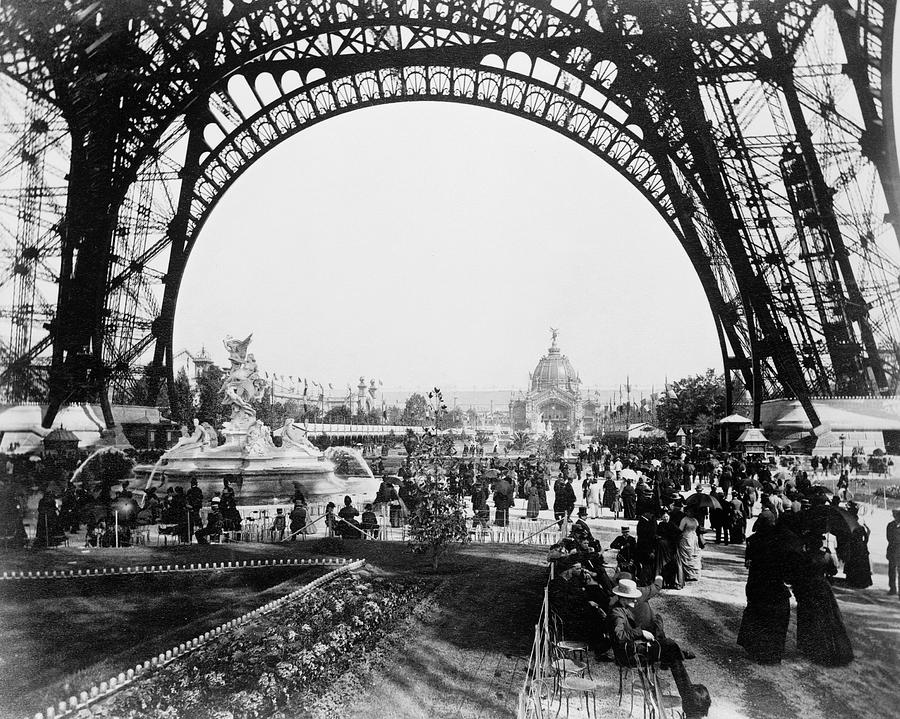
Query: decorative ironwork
760	131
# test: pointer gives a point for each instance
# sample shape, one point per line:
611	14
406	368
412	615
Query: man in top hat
213	526
625	544
646	638
580	526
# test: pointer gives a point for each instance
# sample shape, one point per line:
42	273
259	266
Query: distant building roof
735	419
60	435
752	435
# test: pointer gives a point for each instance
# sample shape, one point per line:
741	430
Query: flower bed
272	667
892	492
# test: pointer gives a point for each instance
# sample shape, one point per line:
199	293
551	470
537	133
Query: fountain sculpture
259	471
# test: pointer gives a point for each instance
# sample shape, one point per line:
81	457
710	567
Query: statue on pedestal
242	384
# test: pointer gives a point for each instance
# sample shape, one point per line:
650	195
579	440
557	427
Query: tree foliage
439	519
438	522
562	438
694	403
521	442
338	415
209	396
416	410
181	403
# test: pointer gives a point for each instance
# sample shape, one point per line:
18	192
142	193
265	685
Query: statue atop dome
554	332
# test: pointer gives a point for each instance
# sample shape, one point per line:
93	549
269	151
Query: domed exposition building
554	397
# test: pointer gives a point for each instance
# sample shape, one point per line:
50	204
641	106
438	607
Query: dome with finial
554	370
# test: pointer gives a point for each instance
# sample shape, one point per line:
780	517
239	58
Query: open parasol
628	473
700	500
837	519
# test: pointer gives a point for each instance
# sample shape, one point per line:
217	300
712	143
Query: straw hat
627	588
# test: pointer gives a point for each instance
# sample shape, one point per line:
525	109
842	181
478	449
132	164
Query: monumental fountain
259	471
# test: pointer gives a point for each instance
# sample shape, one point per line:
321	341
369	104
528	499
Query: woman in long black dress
668	561
821	636
853	551
769	559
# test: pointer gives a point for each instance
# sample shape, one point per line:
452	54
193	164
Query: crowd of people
682	499
609	608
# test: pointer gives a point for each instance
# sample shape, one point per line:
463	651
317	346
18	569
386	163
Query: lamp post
843	438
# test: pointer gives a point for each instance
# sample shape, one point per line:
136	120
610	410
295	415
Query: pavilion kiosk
731	428
752	441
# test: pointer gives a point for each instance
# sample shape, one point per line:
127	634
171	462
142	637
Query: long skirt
533	506
821	635
764	628
689	553
628	505
668	565
857	567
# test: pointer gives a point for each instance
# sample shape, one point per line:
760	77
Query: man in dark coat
632	638
624	543
629	500
503	500
563	499
479	505
213	526
645	548
578	600
194	497
231	517
893	551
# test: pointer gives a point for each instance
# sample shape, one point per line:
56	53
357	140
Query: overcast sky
435	244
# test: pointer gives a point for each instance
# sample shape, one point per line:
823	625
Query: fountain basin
255	480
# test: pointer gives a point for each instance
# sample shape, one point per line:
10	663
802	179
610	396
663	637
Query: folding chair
642	658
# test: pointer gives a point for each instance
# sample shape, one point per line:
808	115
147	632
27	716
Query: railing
534	700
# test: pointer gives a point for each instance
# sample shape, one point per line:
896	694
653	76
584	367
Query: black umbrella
837	519
701	500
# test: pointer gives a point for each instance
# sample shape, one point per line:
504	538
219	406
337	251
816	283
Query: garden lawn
59	637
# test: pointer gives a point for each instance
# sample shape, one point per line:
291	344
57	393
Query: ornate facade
554	399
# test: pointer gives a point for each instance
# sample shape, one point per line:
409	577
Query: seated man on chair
632	636
580	602
213	526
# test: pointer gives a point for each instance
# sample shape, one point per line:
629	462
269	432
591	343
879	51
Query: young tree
438	522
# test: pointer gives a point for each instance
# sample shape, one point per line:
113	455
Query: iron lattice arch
760	131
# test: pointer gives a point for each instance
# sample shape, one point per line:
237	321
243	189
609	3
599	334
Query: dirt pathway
464	652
